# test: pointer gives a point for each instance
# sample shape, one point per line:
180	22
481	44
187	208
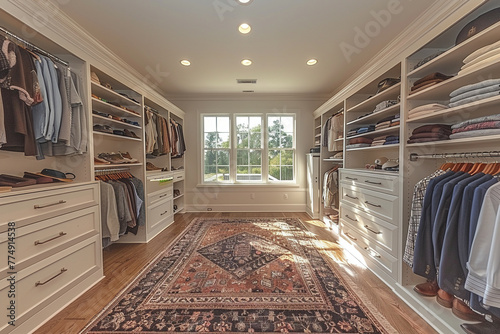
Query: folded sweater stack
428	81
430	132
481	126
482	57
475	92
425	110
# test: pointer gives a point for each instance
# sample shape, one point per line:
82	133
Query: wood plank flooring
122	262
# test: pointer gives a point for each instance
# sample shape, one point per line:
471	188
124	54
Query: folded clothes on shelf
475	92
428	80
426	109
15	181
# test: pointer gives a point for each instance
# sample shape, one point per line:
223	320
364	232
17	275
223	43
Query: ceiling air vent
246	81
248	91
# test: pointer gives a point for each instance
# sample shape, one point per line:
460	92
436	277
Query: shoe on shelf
485	327
427	289
444	298
103	128
129	133
464	312
151	167
113	158
100	161
127	155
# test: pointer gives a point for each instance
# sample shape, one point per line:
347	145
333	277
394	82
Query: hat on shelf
94	77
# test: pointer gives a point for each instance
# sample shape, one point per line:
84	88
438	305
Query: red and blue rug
240	276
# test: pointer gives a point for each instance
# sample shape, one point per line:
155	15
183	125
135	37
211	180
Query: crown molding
437	18
46	18
249	97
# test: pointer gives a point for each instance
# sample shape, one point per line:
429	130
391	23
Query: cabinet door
313	191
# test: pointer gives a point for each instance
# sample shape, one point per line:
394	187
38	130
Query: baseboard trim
247	208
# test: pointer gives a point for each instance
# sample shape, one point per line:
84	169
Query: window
281	147
238	149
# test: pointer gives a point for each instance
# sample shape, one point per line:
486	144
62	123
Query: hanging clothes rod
33	47
491	154
111	170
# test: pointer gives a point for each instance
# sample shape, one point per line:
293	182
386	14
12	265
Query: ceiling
154	35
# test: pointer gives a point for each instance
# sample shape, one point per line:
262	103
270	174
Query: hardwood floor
122	262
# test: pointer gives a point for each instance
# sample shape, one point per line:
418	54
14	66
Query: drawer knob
353	219
47	205
372	252
63	270
371	182
351	178
350	236
61	234
347	195
375	205
373	231
164	213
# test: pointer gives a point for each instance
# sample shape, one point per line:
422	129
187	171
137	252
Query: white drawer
25	208
370	180
42	283
381	205
178	176
370	250
159	212
159	182
160	195
382	232
37	241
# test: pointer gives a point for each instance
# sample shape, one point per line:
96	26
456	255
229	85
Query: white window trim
233	152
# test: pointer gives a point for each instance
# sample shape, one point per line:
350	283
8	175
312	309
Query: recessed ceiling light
185	62
245	2
311	62
244	28
246	62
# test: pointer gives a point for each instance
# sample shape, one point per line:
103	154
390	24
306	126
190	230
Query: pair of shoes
150	167
485	327
127	155
103	128
130	134
444	298
464	312
427	289
100	161
116	158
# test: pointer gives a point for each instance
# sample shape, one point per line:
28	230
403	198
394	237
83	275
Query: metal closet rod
33	47
490	154
110	170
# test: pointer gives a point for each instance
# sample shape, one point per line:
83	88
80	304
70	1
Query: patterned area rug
240	275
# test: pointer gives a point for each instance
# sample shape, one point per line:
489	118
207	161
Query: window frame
233	149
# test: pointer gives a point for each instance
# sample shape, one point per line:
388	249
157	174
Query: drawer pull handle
47	205
353	219
372	252
161	196
161	214
375	205
61	234
373	231
350	236
63	270
351	178
371	182
347	195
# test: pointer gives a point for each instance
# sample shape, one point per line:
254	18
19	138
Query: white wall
242	198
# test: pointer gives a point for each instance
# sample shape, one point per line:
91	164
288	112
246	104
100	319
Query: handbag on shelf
386	83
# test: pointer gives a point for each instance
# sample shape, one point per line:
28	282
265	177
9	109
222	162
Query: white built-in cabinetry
53	236
374	204
53	231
